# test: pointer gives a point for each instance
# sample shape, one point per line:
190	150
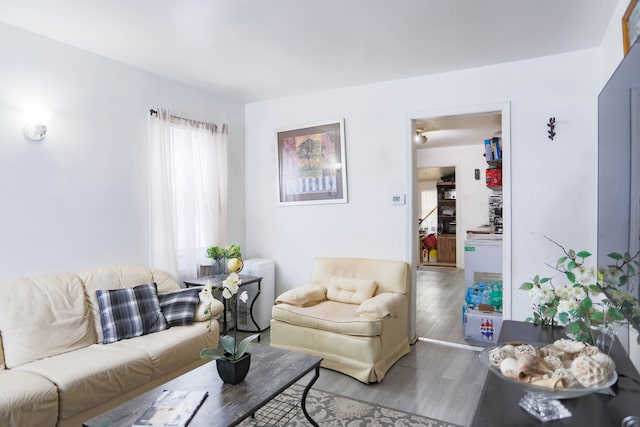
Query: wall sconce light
36	127
420	138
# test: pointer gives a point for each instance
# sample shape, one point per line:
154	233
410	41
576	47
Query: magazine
172	409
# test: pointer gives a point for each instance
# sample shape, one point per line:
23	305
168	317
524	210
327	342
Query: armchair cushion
331	316
350	291
382	305
303	296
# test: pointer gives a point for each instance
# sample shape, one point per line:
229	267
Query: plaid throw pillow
130	312
179	306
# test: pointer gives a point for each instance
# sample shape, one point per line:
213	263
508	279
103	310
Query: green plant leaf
564	317
572	253
211	353
526	286
545	280
561	261
584	254
615	255
242	347
586	304
573	327
571	276
228	343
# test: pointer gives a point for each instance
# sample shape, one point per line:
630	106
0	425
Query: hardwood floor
433	380
440	295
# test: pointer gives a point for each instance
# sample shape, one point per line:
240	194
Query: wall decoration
312	166
630	25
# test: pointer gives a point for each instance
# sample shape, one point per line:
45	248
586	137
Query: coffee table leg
304	396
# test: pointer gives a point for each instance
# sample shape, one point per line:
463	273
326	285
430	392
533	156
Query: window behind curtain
187	192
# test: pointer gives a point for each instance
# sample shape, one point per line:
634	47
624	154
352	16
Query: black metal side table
216	282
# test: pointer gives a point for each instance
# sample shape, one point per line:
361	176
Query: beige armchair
354	314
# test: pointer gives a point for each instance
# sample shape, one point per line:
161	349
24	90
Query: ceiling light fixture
420	137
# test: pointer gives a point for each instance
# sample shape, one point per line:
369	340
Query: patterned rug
328	409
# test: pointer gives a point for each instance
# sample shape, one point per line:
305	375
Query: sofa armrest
382	305
303	296
216	308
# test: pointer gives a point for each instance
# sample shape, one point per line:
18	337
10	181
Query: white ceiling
260	49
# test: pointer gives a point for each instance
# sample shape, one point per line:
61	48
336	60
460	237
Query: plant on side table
232	360
590	305
225	259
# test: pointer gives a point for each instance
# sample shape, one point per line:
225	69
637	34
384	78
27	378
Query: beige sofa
54	369
354	314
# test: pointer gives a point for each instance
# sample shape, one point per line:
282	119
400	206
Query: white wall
472	196
552	182
79	199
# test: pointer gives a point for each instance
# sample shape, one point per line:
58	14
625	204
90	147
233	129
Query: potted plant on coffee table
232	360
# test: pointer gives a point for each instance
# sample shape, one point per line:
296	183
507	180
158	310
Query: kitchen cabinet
447	249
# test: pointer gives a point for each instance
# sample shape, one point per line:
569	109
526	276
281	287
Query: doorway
457	137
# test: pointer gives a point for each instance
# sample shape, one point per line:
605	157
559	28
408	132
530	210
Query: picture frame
630	25
312	166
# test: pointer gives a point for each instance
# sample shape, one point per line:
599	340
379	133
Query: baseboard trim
450	344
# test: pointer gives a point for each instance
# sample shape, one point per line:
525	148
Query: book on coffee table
172	409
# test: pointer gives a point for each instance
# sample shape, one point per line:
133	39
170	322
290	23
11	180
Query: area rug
329	409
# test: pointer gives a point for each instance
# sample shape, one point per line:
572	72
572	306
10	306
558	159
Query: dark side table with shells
499	401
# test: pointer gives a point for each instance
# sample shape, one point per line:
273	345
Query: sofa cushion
27	399
178	307
43	316
175	347
119	277
349	290
130	312
330	316
90	376
302	296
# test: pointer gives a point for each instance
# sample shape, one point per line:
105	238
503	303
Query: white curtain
188	192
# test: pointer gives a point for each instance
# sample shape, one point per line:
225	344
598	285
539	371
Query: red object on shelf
494	177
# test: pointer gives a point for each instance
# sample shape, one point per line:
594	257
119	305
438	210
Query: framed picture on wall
312	166
630	25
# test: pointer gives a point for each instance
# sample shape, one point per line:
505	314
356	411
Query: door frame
413	210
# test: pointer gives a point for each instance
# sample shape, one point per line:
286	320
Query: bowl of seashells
564	369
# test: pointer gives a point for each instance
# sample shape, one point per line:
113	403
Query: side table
498	405
216	282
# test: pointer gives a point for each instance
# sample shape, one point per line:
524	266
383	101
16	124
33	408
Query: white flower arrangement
586	301
229	351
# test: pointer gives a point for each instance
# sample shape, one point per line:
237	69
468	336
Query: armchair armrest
303	296
382	305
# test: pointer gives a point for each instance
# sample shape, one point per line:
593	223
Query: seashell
605	361
566	363
589	350
551	350
526	361
556	382
525	349
508	364
553	362
570	379
569	346
509	351
496	355
588	372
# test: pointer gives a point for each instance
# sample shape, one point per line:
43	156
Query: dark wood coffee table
272	371
498	405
